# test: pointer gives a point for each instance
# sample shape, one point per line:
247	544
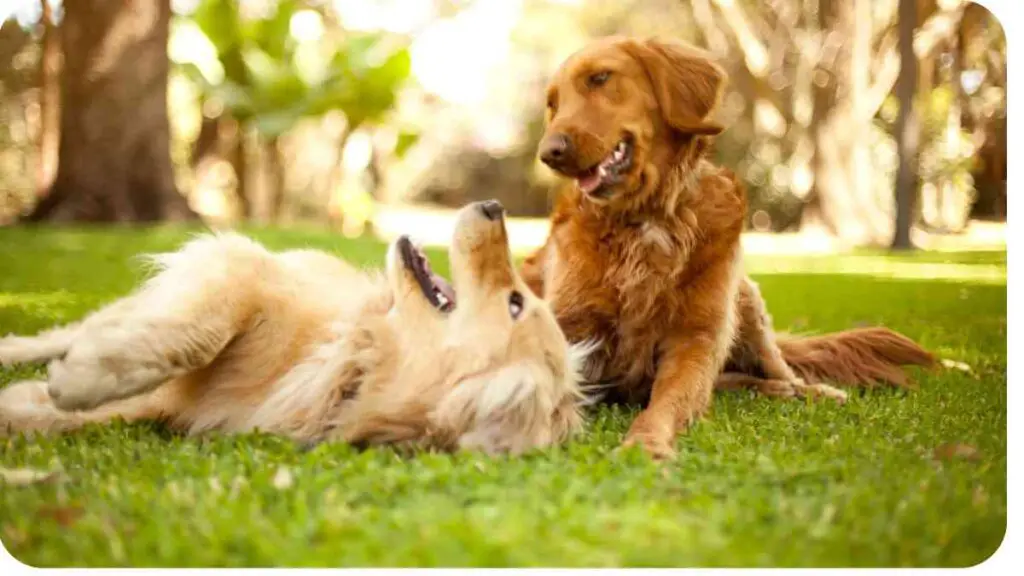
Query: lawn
893	478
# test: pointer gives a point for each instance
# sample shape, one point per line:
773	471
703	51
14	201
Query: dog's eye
515	304
552	104
598	78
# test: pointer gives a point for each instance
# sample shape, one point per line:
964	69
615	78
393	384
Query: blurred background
374	117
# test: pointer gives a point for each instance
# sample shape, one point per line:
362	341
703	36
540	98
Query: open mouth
435	289
598	180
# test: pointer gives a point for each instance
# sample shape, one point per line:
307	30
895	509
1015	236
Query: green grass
757	483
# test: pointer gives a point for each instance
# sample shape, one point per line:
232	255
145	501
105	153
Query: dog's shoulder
722	203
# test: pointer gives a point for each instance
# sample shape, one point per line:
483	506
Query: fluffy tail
864	356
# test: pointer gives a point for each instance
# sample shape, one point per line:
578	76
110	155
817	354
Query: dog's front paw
655	446
655	435
16	350
80	385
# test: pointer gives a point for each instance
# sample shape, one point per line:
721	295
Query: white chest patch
656	236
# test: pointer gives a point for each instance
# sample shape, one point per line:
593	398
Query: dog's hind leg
27	407
756	346
776	388
756	354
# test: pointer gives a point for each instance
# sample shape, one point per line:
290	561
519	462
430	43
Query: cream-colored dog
231	337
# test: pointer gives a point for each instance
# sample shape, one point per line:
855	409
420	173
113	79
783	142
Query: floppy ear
687	84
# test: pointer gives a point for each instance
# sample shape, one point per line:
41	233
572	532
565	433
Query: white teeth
602	171
442	300
619	152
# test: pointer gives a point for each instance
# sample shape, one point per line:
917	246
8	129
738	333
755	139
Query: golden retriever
229	336
644	249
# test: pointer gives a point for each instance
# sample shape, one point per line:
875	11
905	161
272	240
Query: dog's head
619	109
498	372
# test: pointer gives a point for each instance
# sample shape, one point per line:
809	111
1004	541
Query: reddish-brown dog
644	252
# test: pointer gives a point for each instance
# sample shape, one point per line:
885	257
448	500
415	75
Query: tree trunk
114	162
207	142
240	165
978	25
954	203
842	200
276	179
49	103
907	131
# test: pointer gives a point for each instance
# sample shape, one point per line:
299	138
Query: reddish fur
865	356
651	271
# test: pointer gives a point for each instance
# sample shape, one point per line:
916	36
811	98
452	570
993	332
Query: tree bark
240	165
275	181
907	131
207	142
114	155
842	200
980	29
954	205
49	100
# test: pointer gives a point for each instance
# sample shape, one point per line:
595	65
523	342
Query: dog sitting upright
228	336
644	252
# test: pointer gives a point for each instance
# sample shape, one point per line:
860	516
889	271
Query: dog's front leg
681	393
692	357
132	356
179	322
532	270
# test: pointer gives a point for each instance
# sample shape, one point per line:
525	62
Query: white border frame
1008	555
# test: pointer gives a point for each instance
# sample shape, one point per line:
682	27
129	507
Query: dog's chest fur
618	283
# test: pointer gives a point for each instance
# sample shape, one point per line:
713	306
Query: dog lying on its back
644	250
231	337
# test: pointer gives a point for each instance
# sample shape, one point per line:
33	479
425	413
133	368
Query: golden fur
229	336
644	256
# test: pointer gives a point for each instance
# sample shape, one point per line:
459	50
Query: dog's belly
294	315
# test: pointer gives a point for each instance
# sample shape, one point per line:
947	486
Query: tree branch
713	36
754	52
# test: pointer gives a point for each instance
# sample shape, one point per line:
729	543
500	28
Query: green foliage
946	155
942	160
274	80
757	483
405	141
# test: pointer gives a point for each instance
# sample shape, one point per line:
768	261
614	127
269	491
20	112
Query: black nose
555	150
492	209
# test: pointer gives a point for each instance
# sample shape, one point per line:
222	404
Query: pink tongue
590	182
